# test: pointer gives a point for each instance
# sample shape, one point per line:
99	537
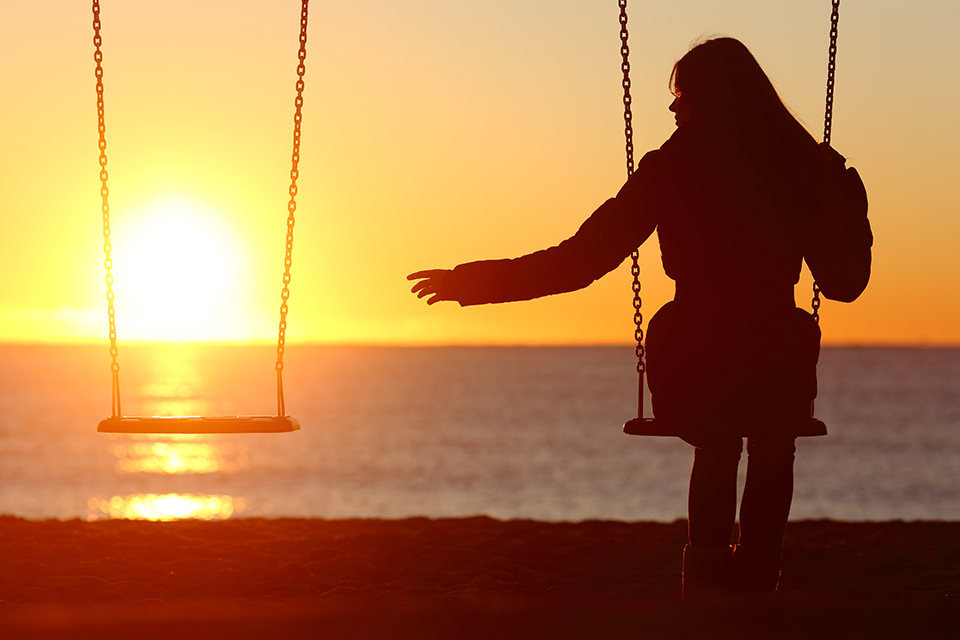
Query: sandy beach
456	578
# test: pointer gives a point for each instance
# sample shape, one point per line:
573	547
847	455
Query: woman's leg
767	493
712	508
712	502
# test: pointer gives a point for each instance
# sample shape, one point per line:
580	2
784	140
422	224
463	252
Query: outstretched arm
608	236
597	248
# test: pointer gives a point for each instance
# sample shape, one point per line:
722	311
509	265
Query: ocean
391	432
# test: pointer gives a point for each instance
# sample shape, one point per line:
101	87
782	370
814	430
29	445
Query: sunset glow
180	271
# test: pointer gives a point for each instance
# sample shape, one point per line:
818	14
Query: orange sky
435	132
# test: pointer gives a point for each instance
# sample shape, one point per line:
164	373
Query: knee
717	449
772	448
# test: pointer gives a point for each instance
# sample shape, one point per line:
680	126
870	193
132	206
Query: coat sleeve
609	235
839	239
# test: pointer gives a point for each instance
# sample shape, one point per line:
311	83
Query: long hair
724	82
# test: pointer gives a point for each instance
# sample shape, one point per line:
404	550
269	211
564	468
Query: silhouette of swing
117	422
641	426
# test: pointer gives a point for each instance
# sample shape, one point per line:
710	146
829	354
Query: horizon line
374	344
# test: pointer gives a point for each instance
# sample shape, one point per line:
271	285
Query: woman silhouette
738	196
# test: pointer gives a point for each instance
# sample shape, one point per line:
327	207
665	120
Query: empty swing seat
802	427
198	424
119	423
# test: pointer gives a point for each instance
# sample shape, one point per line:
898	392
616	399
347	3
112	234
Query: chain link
292	204
828	116
105	211
815	304
635	256
627	100
831	71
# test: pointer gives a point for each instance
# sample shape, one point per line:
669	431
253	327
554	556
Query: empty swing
119	423
641	426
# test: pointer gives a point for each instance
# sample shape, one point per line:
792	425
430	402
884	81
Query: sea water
389	432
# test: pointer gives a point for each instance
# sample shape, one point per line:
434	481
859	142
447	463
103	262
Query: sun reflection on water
173	383
170	506
171	454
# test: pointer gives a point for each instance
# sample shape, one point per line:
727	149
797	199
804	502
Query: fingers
426	291
430	283
426	287
427	273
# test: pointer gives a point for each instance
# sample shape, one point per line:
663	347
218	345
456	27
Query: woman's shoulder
696	140
683	137
659	170
652	178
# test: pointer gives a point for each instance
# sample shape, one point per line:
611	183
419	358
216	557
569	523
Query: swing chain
828	116
831	70
292	204
627	100
635	256
105	211
816	302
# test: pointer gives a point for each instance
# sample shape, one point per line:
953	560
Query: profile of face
682	109
722	79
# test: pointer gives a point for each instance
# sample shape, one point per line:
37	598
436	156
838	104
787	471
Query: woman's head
721	78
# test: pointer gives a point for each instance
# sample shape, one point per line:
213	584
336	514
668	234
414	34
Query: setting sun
180	271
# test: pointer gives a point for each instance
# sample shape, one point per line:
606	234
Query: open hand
431	282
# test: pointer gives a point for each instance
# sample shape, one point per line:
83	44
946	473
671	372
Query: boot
756	573
706	574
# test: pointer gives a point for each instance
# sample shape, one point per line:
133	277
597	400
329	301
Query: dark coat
735	219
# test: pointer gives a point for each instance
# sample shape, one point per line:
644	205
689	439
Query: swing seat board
807	427
198	424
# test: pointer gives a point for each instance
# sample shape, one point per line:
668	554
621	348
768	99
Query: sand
456	578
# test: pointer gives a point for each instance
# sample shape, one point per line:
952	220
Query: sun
180	271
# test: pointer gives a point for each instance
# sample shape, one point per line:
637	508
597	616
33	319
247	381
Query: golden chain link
105	210
292	204
831	70
635	256
828	116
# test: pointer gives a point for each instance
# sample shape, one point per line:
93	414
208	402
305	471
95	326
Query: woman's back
736	206
731	235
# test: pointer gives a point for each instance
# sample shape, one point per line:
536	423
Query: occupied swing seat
807	427
737	376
